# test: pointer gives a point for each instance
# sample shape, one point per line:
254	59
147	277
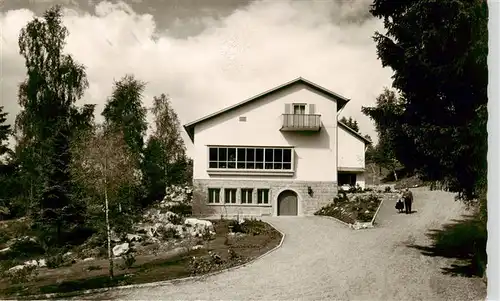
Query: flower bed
353	210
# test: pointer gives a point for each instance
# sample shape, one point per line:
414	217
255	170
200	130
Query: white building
282	152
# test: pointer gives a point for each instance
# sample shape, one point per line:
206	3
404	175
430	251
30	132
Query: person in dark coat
408	199
400	205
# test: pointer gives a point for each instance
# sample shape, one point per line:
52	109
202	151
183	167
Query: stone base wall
323	193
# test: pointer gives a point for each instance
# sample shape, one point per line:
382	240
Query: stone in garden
40	263
133	237
17	268
198	226
89	259
120	249
197	247
114	237
31	262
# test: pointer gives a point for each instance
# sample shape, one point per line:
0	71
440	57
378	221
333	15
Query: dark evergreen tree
438	52
46	124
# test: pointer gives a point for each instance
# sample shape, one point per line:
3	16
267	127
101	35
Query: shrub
93	268
233	256
206	235
341	198
175	219
55	261
235	226
167	233
387	189
23	275
205	264
128	261
253	227
4	237
7	264
182	209
25	247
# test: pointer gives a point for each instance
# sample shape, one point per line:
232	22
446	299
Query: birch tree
105	165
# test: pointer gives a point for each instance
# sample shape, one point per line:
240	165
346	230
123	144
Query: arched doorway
287	203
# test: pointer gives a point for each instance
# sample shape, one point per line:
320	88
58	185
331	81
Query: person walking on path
408	199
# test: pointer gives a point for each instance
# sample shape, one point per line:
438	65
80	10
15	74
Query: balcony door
299	109
299	112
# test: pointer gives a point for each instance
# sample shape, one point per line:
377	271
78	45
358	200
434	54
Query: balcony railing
301	122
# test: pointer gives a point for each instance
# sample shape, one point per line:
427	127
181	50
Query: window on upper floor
250	158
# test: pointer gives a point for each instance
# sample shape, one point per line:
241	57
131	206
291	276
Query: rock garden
166	243
357	207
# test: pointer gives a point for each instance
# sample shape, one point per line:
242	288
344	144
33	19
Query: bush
175	219
205	264
182	209
167	233
93	268
23	275
233	256
253	227
128	261
53	262
25	247
235	226
7	264
387	189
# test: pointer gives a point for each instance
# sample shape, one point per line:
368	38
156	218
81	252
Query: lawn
247	241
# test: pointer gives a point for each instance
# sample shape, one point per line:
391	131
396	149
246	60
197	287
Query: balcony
301	123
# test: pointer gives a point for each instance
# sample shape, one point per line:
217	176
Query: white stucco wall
315	153
351	150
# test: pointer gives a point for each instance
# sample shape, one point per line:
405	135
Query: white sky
207	60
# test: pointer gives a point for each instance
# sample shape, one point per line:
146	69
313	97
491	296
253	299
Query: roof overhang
341	101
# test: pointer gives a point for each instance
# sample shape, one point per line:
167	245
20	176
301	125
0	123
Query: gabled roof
345	126
341	101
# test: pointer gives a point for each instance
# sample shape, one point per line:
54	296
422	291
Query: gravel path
323	260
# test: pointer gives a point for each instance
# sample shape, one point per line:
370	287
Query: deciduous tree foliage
165	161
384	153
438	50
105	165
124	112
46	123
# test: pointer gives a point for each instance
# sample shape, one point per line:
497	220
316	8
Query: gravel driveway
323	260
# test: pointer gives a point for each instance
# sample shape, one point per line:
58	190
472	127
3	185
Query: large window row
250	158
229	196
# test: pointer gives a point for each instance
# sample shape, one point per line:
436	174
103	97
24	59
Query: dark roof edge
367	141
342	101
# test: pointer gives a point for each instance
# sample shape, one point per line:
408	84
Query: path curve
323	260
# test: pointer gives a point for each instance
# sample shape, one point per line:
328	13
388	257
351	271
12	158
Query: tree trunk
395	174
374	174
108	228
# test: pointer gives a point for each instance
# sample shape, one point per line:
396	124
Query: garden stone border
157	283
358	225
